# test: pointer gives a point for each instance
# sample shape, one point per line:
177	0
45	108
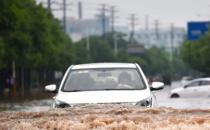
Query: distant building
161	39
122	29
80	28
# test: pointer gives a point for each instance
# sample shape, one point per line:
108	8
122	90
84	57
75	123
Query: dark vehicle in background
167	80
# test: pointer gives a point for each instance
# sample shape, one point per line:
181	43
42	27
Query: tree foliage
32	37
100	51
117	37
196	53
157	61
2	52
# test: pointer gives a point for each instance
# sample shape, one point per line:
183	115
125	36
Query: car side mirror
157	86
51	88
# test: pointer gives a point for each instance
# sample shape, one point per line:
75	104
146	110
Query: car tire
174	95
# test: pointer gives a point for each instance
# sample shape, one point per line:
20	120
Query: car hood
177	90
108	96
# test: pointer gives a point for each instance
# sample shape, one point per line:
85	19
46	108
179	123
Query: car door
192	89
204	88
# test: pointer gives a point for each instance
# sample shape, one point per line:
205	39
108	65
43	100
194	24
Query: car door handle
195	90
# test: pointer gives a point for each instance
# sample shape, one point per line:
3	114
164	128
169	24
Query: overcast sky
166	11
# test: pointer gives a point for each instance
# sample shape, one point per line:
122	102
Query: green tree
196	53
2	52
81	53
32	37
110	38
100	51
157	61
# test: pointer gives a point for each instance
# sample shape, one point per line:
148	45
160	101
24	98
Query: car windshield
103	79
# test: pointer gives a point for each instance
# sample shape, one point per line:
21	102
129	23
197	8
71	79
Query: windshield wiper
76	90
119	89
108	89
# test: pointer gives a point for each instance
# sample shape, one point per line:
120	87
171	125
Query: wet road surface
107	117
162	96
37	115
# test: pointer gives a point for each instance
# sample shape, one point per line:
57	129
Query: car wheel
175	95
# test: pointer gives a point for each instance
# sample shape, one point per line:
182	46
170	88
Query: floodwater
190	103
171	114
162	96
28	106
107	117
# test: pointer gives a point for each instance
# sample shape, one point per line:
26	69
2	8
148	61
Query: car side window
205	82
194	84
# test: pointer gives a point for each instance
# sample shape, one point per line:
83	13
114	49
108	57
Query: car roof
204	79
104	65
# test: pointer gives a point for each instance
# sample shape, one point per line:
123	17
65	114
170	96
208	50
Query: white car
195	88
104	83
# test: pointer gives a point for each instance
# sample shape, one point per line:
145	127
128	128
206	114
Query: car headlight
60	104
145	103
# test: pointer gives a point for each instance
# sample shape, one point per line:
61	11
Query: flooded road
107	117
192	113
29	106
190	102
162	96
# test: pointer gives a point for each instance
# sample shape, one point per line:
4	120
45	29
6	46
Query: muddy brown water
108	117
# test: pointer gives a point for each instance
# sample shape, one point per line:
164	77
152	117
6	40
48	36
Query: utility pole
172	40
49	5
157	24
113	17
132	19
172	48
63	7
64	15
114	35
80	10
87	43
147	30
102	15
147	23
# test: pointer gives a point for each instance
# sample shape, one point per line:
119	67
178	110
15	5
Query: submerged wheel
175	95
